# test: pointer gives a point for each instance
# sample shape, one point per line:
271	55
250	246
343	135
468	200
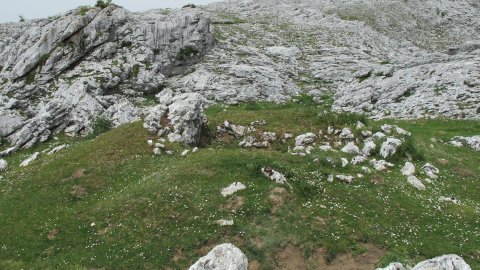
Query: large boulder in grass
181	118
446	262
222	257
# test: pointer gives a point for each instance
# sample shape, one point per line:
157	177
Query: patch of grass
186	53
103	3
82	10
101	125
144	211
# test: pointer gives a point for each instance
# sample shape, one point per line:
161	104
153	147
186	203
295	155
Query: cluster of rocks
428	169
26	162
472	142
446	262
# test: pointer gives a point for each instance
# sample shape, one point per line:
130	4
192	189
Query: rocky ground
243	122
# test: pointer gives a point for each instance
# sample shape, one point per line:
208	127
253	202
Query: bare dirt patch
364	261
377	180
254	265
234	203
291	258
278	197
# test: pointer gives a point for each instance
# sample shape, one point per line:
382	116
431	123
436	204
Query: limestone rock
414	181
305	139
30	159
408	169
233	188
351	148
431	171
446	262
393	266
389	147
368	148
473	142
222	257
3	165
274	175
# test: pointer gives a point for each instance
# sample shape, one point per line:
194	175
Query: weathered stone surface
351	148
30	159
274	175
389	147
431	171
305	139
393	266
446	262
3	165
222	257
233	188
473	142
61	74
182	120
408	169
414	181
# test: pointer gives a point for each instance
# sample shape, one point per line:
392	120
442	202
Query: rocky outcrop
181	118
473	142
224	256
62	74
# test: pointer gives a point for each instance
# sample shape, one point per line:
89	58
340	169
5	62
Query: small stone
195	149
347	134
185	152
344	162
351	148
287	136
160	145
224	222
366	134
345	178
449	199
360	125
269	136
330	178
431	171
326	148
150	142
380	165
414	181
233	188
359	159
247	142
408	169
276	176
366	169
3	165
57	149
379	136
390	147
174	137
264	144
224	256
157	151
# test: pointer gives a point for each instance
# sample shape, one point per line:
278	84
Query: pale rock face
380	165
225	222
225	256
359	159
450	199
247	142
408	169
351	148
414	181
305	139
379	136
389	147
344	162
233	188
269	136
57	149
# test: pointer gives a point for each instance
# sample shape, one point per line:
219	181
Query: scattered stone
150	142
57	149
195	149
287	136
345	178
269	136
309	149
330	178
169	152
305	139
359	159
160	145
346	134
360	125
234	130
414	181
326	148
408	169
389	147
157	151
369	148
264	144
234	187
351	148
222	257
185	152
276	176
344	162
380	165
258	123
3	165
174	137
473	142
367	133
431	171
330	130
8	151
224	222
451	199
378	136
247	142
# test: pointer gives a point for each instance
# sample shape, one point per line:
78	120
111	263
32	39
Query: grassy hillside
110	203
